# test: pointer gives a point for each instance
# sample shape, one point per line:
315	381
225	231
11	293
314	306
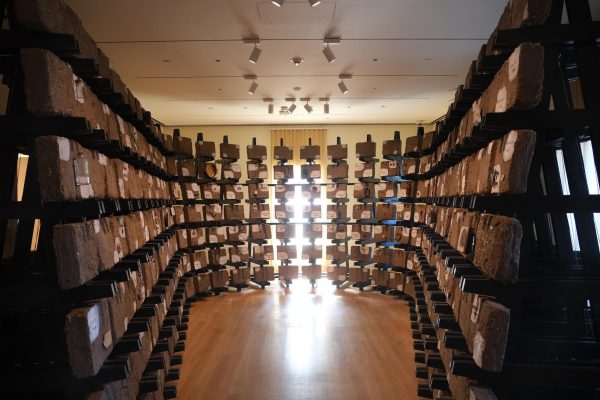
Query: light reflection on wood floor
299	343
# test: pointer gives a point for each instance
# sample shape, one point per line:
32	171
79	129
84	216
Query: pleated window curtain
296	138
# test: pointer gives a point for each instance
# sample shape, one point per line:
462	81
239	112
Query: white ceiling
167	52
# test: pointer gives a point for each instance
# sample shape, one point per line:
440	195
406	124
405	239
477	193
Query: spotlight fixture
342	85
326	105
292	108
252	88
328	54
297	61
270	107
307	106
253	85
255	51
254	55
314	2
278	3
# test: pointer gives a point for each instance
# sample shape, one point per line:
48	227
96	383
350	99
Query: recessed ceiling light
382	106
210	108
297	88
166	61
314	2
428	59
218	60
220	89
376	59
297	61
349	107
278	3
374	88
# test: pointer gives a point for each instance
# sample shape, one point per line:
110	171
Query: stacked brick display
337	213
284	212
137	226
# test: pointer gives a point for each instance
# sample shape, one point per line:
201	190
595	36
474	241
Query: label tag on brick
93	320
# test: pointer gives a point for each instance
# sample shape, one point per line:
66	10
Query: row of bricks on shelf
502	167
86	249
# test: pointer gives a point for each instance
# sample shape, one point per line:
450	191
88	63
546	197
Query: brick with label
205	149
256	152
264	274
311	211
287	252
310	171
364	170
336	191
337	152
288	272
386	190
392	147
361	211
357	274
336	253
283	153
360	253
284	192
216	234
364	190
385	211
260	231
337	171
240	275
196	236
365	150
88	338
238	254
311	191
234	192
209	191
337	211
258	191
284	211
312	252
383	233
213	212
257	171
389	168
310	152
230	151
231	171
312	271
361	232
186	168
237	232
339	232
260	211
282	172
233	211
193	213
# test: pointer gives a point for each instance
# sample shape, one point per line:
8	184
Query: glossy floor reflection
299	343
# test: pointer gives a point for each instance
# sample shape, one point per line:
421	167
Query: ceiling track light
292	108
278	3
327	52
307	106
342	84
314	2
255	51
253	85
270	107
252	88
255	54
326	105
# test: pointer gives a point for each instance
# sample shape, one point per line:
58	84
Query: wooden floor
299	343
